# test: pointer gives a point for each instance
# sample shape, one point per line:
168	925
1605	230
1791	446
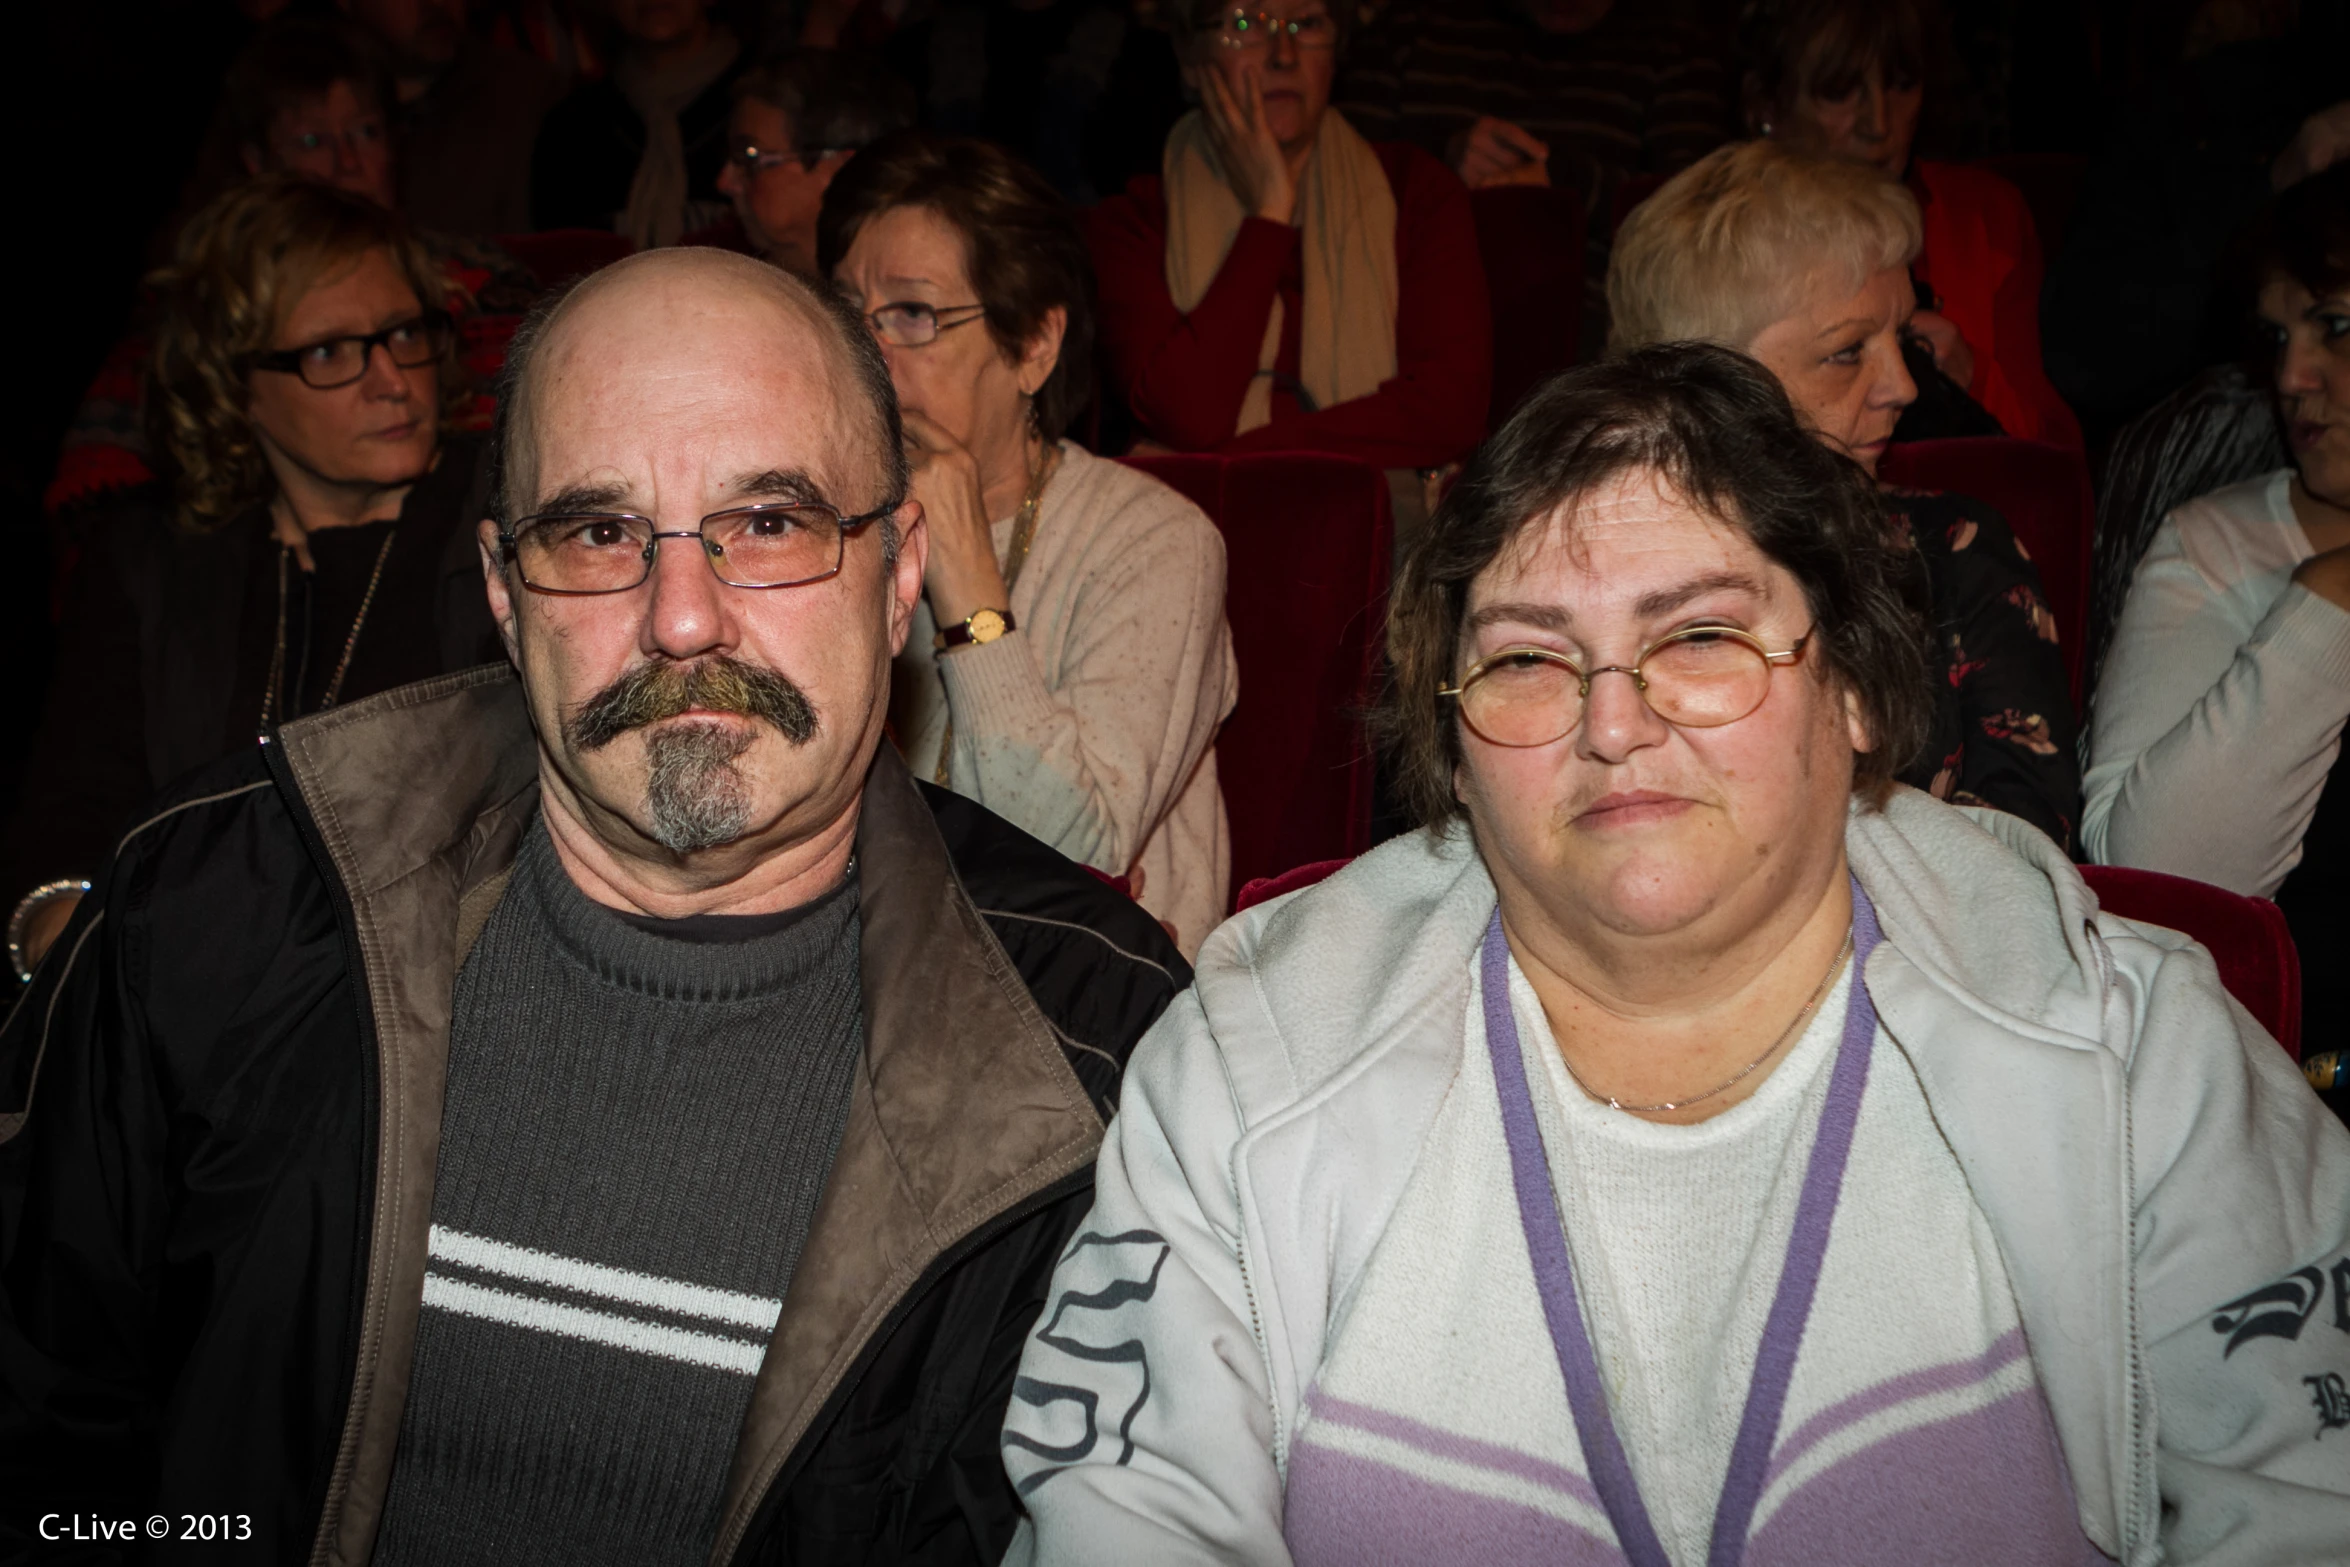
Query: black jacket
223	1095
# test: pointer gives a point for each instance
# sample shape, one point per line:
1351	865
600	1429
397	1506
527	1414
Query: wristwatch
983	626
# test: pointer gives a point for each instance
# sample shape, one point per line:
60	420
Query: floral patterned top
2003	730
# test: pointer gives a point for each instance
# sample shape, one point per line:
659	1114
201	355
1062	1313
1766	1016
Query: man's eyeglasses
909	323
770	546
339	361
1701	678
752	158
1244	29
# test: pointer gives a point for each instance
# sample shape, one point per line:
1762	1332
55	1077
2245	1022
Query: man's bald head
730	300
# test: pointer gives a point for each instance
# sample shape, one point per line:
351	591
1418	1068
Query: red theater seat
1306	544
559	255
2043	491
1532	240
2245	936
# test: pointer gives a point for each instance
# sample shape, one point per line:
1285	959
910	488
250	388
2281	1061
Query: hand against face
1495	152
1250	152
1952	356
963	576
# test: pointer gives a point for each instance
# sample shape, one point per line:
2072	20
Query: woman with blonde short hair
1802	261
316	545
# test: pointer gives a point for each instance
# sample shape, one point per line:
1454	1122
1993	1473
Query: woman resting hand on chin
1071	663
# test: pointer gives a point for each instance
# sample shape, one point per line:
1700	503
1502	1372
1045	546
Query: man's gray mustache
652	692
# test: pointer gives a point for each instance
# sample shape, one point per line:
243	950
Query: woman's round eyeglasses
909	323
1700	678
770	546
338	361
1245	29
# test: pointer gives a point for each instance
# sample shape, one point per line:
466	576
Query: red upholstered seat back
1532	240
559	255
1306	545
2245	936
2043	491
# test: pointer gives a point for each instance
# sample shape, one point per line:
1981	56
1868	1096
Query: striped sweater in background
1640	93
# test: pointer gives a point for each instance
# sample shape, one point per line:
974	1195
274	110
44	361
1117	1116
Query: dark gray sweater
640	1119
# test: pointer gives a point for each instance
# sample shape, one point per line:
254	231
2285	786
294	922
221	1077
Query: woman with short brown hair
317	543
1070	663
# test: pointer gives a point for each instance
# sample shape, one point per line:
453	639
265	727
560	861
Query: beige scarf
1346	343
656	210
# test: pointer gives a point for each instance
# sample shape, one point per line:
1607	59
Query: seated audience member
1069	663
1285	285
1565	1181
315	546
1079	88
2217	727
618	1110
305	97
640	152
797	120
467	114
1848	77
1801	261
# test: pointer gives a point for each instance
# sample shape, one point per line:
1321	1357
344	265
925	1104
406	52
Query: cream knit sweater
1093	725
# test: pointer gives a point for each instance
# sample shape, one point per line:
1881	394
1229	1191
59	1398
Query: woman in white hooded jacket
1692	1148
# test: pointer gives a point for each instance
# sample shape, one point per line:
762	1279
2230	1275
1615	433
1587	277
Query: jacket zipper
948	1259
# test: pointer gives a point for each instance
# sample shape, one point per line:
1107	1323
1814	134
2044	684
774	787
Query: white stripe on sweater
597	1327
527	1266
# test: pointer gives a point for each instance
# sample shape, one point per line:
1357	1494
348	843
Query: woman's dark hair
1021	245
2303	234
1718	429
1825	47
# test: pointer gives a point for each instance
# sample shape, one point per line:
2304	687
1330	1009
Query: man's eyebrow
584	497
791	485
1665	600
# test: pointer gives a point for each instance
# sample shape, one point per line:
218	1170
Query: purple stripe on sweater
1986	1486
1450	1446
1344	1511
2005	1351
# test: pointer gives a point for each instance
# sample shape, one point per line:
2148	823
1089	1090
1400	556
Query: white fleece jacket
2170	1201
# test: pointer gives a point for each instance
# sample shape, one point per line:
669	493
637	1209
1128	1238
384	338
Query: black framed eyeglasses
338	361
909	323
785	545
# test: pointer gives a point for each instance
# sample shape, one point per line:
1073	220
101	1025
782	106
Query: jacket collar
964	1109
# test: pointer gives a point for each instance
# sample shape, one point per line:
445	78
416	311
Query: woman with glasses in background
1285	285
1070	663
315	546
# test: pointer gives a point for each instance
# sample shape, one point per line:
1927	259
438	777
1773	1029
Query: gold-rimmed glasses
784	545
1699	678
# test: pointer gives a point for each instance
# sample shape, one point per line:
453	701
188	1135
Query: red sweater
1982	258
1184	376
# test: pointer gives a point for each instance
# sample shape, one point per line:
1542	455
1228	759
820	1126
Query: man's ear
494	583
1043	350
905	583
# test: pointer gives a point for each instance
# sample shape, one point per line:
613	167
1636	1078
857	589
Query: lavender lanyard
1799	1277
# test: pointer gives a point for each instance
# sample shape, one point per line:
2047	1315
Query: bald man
600	1109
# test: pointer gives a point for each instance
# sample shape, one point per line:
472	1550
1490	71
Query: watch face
986	626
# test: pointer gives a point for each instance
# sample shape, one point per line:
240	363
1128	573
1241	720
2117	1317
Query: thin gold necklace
272	698
1023	535
1842	953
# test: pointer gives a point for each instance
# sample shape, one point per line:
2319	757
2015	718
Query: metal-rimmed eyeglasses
338	361
748	156
1244	28
1698	678
909	323
782	545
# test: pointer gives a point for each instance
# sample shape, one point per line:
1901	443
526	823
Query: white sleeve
1141	1424
1091	755
2243	1281
2212	733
